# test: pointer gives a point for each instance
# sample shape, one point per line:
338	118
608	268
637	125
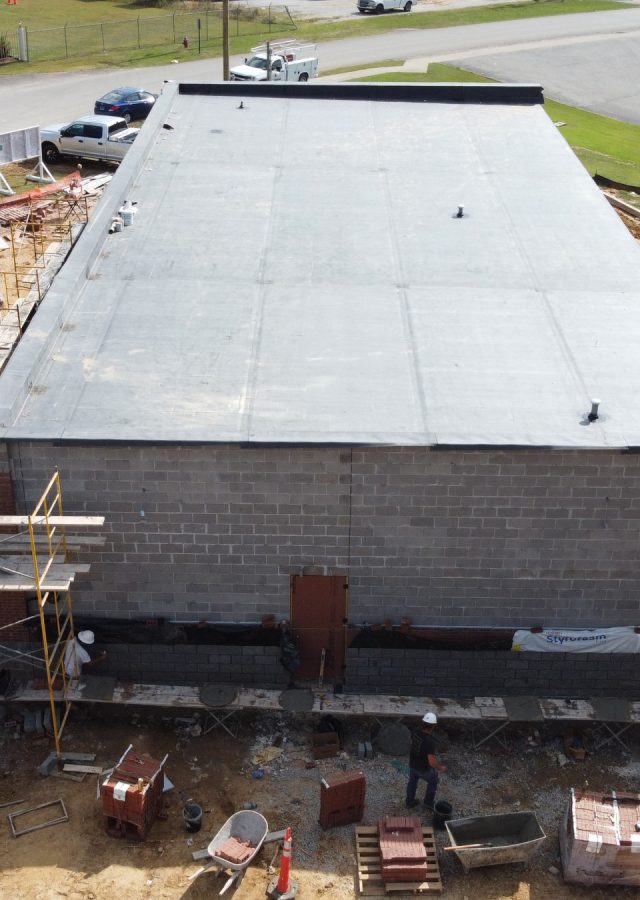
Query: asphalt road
589	60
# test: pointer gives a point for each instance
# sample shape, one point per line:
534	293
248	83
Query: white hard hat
86	637
430	718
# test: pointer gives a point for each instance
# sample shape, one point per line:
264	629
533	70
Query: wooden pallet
370	883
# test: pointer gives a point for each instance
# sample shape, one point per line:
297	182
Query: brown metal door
318	620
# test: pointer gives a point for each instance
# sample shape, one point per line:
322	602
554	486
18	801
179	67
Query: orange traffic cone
284	888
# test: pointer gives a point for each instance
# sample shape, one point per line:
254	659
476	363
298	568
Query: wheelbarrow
246	826
495	840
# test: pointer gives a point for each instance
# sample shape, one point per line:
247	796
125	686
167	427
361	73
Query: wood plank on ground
370	883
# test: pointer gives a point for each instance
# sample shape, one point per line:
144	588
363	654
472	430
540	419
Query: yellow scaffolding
51	580
50	504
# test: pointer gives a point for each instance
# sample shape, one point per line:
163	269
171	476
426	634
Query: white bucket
127	213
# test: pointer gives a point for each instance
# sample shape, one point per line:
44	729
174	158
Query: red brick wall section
13	607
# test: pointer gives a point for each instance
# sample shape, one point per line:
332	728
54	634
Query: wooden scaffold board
370	883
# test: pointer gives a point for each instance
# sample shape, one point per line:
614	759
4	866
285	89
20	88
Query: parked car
129	103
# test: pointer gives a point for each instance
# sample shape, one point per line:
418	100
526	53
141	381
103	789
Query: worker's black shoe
411	803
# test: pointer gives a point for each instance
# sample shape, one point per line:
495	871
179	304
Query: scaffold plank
65	521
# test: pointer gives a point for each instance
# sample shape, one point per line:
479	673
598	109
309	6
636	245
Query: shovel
467	847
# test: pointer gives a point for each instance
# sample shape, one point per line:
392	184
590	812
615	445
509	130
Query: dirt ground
77	860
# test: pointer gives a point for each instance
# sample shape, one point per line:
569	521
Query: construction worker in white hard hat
76	656
423	763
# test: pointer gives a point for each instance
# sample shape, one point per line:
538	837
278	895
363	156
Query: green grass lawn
39	14
604	146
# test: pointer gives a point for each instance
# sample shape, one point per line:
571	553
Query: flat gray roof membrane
298	272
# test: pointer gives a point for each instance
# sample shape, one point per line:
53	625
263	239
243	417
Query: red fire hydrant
185	42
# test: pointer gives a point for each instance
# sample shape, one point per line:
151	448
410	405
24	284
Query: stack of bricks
236	851
132	795
342	799
402	852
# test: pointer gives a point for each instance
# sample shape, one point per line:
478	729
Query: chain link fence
154	31
8	46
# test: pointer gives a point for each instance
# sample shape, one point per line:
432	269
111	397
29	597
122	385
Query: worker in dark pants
423	764
289	653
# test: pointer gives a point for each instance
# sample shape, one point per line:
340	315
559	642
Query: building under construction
366	359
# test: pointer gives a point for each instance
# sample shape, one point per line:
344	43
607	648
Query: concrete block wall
193	664
486	673
166	664
196	532
447	538
13	606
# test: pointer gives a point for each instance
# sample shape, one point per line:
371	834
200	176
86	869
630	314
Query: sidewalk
409	65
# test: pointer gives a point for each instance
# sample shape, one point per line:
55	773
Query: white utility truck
380	6
278	61
94	137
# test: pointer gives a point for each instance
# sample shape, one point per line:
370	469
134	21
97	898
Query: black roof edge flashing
445	92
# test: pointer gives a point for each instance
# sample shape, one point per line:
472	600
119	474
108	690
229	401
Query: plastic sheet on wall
573	640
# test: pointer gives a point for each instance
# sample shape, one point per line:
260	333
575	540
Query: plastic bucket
441	813
192	814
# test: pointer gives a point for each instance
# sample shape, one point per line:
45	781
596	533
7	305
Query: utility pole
269	60
225	40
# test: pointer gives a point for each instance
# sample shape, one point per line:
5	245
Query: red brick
234	850
401	840
342	799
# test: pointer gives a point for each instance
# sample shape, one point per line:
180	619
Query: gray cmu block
448	538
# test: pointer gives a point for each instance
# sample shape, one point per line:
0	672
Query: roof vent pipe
460	212
593	415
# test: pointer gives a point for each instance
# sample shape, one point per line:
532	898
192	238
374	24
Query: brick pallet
402	852
342	799
370	883
132	796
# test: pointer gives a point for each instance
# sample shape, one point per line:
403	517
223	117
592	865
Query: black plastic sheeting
399	640
161	631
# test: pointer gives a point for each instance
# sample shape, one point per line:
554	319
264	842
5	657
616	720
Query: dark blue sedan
129	103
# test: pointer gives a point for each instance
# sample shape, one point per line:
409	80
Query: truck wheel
303	76
407	6
50	152
379	8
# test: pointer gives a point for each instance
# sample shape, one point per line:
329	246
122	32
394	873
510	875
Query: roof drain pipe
593	415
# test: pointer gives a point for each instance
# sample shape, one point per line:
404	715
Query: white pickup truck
288	61
95	137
